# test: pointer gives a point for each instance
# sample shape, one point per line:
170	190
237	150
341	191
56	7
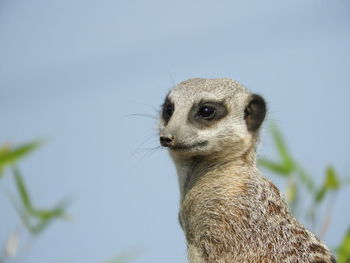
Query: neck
191	169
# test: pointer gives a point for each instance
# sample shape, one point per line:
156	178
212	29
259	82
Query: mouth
184	147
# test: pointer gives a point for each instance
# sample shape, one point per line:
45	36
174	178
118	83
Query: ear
254	113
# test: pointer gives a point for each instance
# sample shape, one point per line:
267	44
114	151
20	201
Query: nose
166	140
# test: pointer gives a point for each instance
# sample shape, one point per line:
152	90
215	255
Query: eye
168	111
206	112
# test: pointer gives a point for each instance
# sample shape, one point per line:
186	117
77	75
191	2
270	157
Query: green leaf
121	259
1	171
22	191
282	148
36	220
320	194
24	216
292	192
306	179
125	256
274	167
44	221
48	214
331	181
9	156
344	249
45	217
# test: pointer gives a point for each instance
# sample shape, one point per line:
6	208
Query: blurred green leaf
286	166
320	194
306	179
22	191
35	220
44	221
344	249
292	192
331	181
21	212
274	167
9	156
293	171
292	196
36	225
282	148
124	257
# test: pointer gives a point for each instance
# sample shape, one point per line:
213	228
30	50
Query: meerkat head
205	117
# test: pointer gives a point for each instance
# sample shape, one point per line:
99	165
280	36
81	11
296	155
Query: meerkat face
202	117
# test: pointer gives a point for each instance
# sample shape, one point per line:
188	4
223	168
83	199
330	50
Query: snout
166	140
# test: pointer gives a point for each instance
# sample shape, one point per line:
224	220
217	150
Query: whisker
148	149
141	115
149	106
171	78
150	152
154	150
138	148
273	119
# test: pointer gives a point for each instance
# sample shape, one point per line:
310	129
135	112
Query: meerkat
229	212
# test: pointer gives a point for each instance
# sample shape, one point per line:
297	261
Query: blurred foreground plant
34	219
302	189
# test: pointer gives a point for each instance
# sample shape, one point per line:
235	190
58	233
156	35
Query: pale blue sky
70	71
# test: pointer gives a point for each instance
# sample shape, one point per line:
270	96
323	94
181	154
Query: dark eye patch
167	110
207	112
